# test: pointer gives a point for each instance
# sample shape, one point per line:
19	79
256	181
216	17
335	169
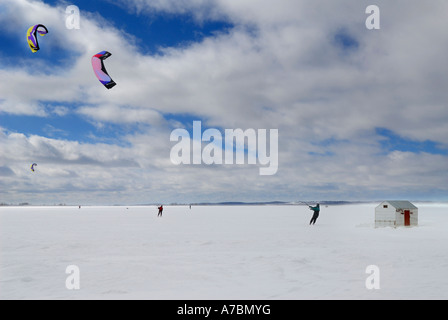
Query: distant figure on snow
160	211
316	210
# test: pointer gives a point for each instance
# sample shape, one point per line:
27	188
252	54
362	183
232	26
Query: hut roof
401	204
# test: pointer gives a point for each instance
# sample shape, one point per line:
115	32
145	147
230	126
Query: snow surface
266	252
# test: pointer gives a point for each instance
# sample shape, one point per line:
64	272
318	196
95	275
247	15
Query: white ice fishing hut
396	214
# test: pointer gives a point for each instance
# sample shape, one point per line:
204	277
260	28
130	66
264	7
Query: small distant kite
33	166
31	36
100	70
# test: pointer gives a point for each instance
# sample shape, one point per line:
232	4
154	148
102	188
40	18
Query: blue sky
394	142
151	34
361	114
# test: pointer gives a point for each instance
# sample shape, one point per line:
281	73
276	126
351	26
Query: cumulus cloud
310	69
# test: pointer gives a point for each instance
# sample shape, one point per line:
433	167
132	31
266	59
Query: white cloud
121	115
278	68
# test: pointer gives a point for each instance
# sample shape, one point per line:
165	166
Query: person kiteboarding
160	211
316	210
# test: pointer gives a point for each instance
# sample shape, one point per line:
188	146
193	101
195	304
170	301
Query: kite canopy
100	69
31	36
32	166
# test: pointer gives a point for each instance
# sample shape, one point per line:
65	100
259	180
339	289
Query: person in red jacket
160	211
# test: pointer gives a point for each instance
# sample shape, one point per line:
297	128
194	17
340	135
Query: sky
361	114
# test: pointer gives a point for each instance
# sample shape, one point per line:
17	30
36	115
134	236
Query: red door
407	218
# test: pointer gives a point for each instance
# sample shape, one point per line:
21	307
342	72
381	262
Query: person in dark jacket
160	211
316	210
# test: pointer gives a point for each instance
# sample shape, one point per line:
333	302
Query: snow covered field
264	252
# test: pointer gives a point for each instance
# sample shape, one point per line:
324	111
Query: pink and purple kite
100	70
